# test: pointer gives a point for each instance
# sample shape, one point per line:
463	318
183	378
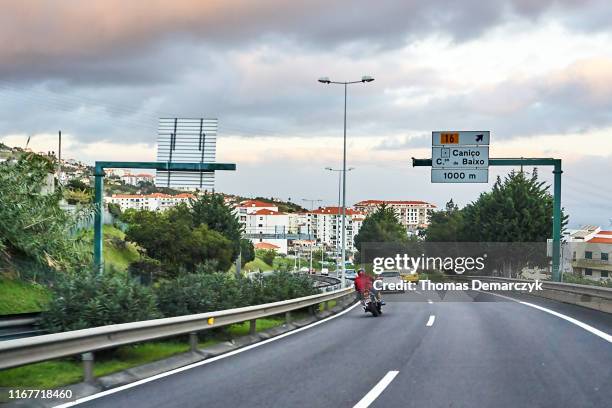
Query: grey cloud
93	40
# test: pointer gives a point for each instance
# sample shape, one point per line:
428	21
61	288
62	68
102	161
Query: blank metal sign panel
186	140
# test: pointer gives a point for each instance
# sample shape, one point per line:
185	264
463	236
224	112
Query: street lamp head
350	168
328	168
324	80
366	78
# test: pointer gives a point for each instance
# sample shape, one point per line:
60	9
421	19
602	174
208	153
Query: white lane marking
578	323
430	301
199	363
418	292
377	390
431	321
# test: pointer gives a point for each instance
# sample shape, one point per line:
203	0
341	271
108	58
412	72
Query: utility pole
312	202
326	80
59	158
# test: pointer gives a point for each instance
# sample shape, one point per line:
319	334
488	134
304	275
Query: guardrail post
88	366
253	326
193	342
288	317
311	310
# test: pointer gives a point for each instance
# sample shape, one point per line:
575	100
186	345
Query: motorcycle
371	304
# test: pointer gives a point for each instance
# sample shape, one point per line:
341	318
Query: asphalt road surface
428	349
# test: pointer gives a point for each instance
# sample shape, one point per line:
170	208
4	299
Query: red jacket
363	282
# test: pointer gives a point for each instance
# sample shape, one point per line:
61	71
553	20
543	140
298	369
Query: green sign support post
556	163
99	190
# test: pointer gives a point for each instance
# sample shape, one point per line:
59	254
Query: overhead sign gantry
461	142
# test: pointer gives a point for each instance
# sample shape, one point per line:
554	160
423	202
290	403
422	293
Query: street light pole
326	80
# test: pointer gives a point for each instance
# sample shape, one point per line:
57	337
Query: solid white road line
431	321
430	301
377	390
578	323
200	363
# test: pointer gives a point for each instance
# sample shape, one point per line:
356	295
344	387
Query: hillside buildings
151	202
413	215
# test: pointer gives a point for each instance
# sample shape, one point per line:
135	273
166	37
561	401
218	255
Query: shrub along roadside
200	293
91	300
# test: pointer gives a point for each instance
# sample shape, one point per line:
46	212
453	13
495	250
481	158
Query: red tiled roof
600	240
604	233
265	245
400	202
265	211
255	203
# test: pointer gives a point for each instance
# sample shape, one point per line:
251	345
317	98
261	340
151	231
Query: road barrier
15	326
593	297
326	283
14	353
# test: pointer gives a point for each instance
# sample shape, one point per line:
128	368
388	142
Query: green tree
247	251
210	209
170	238
77	185
445	225
267	255
517	209
380	227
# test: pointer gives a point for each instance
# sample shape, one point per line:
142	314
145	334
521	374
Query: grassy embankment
20	296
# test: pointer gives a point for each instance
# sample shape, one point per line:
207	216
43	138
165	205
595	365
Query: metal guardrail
19	352
593	297
327	282
15	326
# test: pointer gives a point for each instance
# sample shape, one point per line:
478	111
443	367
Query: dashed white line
431	321
377	390
430	301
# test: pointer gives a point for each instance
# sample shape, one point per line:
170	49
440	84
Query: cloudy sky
536	73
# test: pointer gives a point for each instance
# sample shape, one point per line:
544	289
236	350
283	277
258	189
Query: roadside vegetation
22	297
57	373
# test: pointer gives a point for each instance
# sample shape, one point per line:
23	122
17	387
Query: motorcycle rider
364	282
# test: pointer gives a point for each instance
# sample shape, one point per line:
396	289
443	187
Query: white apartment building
265	221
151	202
326	223
250	206
413	215
134	179
588	252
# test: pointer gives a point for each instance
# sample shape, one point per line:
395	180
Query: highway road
466	350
